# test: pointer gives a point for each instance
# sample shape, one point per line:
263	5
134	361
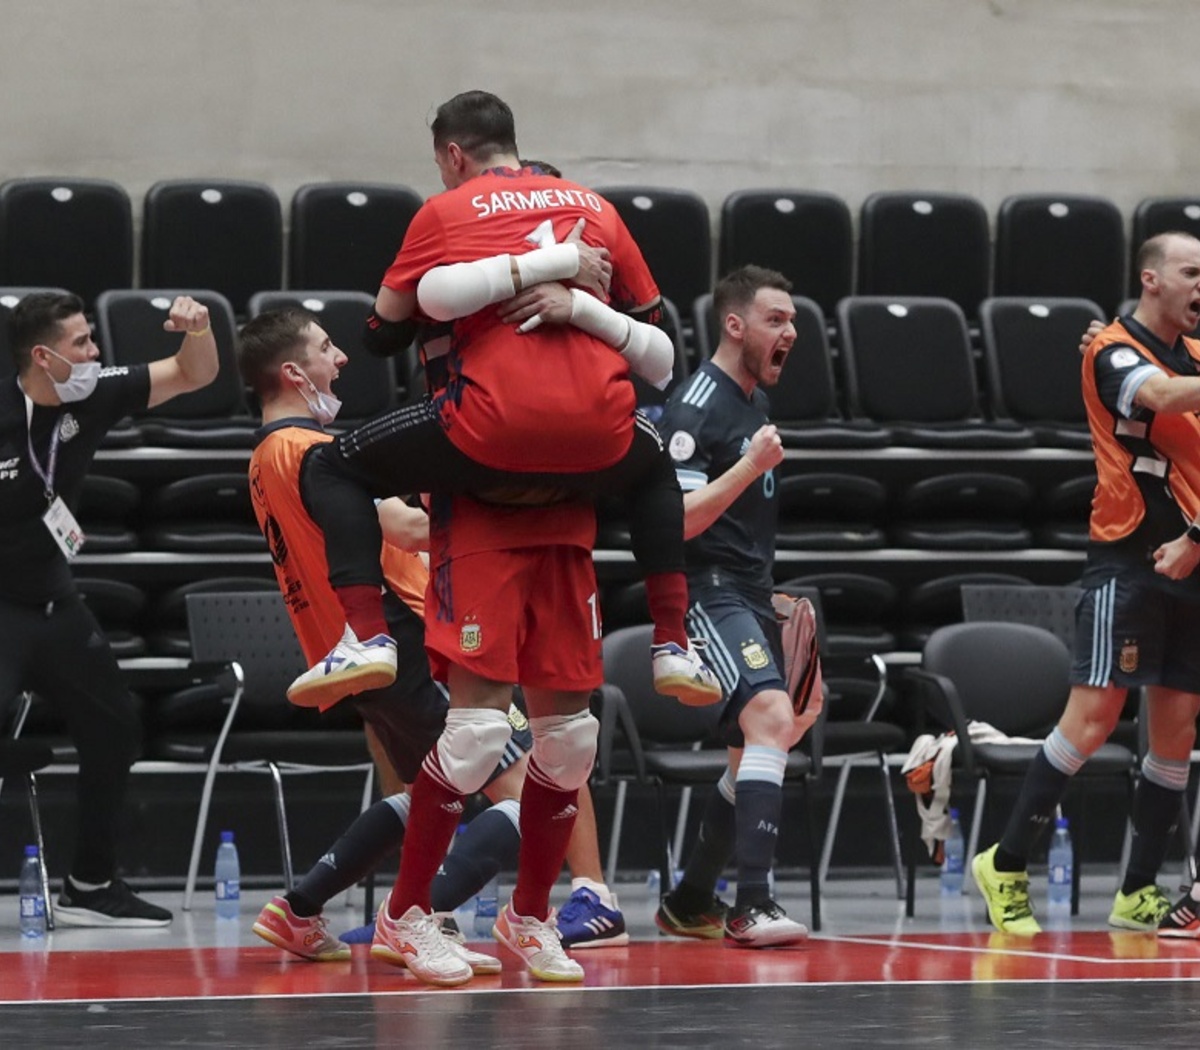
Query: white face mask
325	407
80	383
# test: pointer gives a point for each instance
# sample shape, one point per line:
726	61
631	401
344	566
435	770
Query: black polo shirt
32	568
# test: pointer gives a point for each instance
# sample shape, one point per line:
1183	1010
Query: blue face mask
80	383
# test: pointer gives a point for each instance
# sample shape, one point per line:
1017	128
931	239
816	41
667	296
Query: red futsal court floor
870	978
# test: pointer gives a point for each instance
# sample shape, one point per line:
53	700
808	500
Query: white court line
1030	954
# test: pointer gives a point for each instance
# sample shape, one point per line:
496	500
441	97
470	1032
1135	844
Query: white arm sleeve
449	292
648	349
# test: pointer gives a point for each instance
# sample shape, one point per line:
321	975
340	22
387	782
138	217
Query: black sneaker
707	924
112	905
763	925
1183	920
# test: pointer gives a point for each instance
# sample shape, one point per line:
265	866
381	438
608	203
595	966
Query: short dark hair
737	289
1154	249
544	166
479	122
269	340
38	319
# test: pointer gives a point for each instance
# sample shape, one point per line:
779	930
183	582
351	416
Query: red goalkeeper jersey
554	399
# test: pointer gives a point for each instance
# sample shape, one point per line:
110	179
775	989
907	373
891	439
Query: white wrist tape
556	262
648	349
449	292
650	353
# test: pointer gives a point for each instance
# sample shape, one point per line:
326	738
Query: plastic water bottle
228	878
485	907
33	904
952	862
654	881
1061	865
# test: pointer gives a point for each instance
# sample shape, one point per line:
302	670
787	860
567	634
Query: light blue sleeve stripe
1131	385
690	480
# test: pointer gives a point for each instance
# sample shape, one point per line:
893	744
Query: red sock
547	820
432	820
667	596
363	605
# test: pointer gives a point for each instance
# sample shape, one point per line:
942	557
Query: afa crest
470	638
1128	661
517	719
755	656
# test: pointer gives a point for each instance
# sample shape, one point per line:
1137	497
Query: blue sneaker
584	922
359	935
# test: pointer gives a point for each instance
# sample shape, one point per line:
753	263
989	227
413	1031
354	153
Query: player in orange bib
1135	623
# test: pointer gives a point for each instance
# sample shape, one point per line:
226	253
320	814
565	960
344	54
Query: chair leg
666	866
893	825
1189	844
35	814
368	793
198	836
835	814
976	825
285	845
614	838
681	817
814	874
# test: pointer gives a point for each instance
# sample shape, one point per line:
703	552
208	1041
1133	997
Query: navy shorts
1129	632
743	647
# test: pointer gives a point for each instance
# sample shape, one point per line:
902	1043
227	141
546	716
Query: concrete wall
987	97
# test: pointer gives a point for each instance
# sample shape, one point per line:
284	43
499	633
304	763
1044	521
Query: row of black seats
904	373
228	235
865	612
129	330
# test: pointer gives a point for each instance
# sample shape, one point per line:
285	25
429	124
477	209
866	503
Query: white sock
88	887
607	897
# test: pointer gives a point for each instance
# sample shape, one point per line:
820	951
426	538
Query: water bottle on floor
485	907
954	856
33	904
1061	867
228	878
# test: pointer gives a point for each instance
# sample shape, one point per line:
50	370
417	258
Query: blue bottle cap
1060	822
31	851
226	836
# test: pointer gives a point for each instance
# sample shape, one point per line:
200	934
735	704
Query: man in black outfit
53	415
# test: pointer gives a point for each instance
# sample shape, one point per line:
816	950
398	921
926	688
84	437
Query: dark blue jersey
707	425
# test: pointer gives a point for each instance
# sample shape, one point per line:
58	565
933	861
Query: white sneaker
538	943
350	667
479	963
415	940
681	673
762	926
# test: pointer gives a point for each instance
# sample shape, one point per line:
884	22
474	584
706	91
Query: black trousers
60	653
407	451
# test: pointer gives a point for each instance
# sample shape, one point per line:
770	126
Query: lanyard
47	474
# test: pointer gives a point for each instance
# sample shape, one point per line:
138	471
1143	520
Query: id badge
64	528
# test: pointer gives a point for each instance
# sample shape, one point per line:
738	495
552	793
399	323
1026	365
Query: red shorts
529	616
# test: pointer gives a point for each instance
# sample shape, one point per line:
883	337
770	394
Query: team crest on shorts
1129	657
470	637
755	656
517	719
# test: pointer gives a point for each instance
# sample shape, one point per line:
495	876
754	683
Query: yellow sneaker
1006	894
1142	909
